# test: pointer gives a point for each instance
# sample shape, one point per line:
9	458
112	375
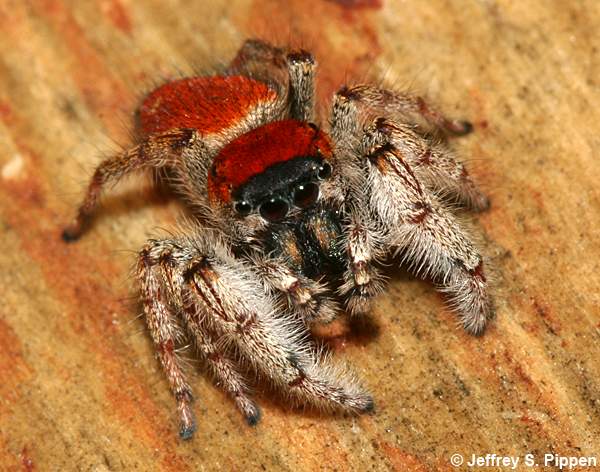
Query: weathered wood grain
80	388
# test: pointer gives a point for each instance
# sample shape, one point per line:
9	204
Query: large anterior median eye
274	210
306	195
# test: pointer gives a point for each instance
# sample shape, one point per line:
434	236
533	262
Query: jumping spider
288	217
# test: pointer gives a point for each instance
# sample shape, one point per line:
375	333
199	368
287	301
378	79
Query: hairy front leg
220	362
433	164
429	235
169	313
154	271
235	303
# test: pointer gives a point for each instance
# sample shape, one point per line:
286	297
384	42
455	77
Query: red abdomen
208	104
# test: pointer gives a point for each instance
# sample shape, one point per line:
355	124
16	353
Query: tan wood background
80	388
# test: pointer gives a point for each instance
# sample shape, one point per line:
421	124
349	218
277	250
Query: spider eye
274	210
243	208
324	171
306	194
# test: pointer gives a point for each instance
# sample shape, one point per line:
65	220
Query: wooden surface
80	388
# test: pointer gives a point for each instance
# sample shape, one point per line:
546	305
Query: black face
294	183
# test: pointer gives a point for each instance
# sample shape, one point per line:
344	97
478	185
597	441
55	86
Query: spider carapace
290	221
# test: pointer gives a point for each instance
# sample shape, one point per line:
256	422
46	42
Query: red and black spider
290	218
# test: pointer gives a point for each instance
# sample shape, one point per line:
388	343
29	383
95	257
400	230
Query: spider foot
187	432
369	406
187	426
72	232
480	203
249	409
254	418
459	128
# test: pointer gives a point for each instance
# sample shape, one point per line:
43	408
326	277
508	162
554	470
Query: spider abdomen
208	104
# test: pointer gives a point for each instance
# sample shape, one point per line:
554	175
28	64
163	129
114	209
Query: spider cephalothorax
290	218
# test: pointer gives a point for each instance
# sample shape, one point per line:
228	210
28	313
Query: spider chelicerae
290	219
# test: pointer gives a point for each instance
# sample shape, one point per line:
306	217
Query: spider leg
163	326
391	189
302	69
260	60
401	106
434	165
155	151
362	238
160	269
234	302
293	71
222	367
362	281
431	238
